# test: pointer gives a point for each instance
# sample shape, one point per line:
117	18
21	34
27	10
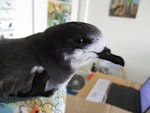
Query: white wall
24	20
129	38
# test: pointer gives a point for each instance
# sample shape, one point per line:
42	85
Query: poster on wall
59	11
124	8
7	18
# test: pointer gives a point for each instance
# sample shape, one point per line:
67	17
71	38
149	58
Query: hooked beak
107	55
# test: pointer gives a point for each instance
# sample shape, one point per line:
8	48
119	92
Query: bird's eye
80	41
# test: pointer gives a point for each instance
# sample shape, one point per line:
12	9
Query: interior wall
129	38
24	14
126	37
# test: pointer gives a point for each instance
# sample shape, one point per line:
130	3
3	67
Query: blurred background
124	23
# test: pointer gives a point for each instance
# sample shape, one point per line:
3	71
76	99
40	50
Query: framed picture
52	12
59	11
124	8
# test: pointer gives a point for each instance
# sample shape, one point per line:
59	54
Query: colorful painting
124	8
59	11
7	18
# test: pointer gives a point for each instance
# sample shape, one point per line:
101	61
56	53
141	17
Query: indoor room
74	56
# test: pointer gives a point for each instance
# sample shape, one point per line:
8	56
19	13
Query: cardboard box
79	104
88	87
76	104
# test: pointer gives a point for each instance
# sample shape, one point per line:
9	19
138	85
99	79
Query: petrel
39	63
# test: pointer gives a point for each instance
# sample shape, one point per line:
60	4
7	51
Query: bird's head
80	43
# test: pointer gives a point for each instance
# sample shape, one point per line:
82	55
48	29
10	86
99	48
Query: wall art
124	8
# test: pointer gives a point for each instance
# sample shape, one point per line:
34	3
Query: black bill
107	55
